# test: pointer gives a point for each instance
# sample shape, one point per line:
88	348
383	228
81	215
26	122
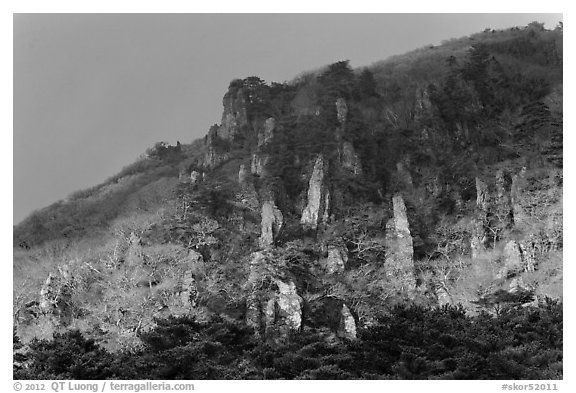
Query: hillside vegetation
323	230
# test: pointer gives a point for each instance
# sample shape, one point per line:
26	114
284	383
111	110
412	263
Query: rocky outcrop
271	224
259	158
482	195
399	246
56	294
289	306
347	327
512	260
443	296
267	134
189	293
213	158
234	121
529	251
336	260
341	110
246	197
49	294
235	114
242	175
494	211
326	208
316	210
503	184
517	285
516	188
478	240
502	208
195	177
275	312
400	217
134	251
273	306
258	164
350	159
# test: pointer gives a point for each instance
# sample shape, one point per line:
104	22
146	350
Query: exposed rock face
253	313
242	175
518	180
347	324
443	296
258	164
336	261
189	294
195	177
326	214
259	159
272	221
399	246
350	159
478	241
247	196
518	257
212	158
517	284
316	210
269	313
289	305
513	256
234	119
254	302
528	255
341	110
400	217
55	295
280	311
65	272
266	135
49	294
276	308
494	211
482	195
235	114
502	185
503	208
134	252
194	257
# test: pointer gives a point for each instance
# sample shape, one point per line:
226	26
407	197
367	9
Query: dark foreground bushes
410	342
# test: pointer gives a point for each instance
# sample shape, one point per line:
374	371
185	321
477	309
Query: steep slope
431	178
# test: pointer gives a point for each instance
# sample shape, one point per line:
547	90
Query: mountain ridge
433	178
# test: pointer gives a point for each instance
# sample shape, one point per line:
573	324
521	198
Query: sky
91	92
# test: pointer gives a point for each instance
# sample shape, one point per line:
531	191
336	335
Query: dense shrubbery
409	342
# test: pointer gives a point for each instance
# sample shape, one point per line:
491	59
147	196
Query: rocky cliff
317	208
319	205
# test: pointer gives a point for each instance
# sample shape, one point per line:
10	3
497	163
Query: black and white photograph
287	196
